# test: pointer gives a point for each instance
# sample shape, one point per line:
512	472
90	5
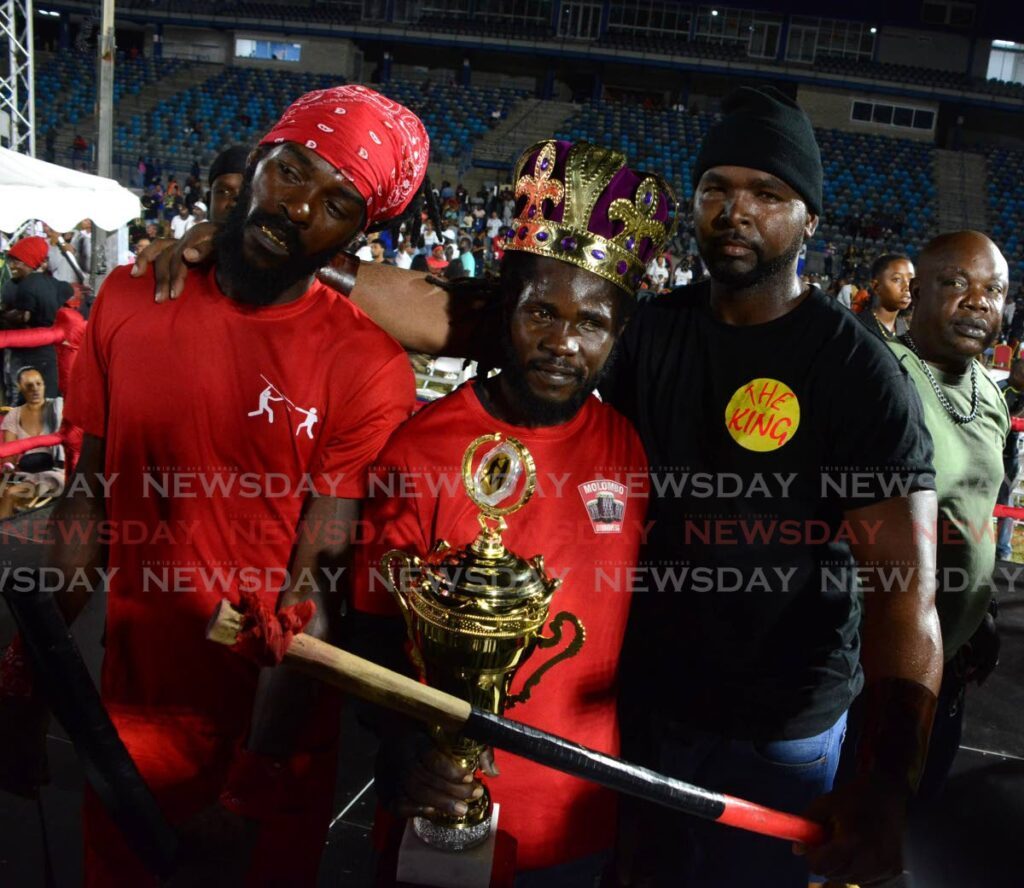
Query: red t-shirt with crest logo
587	518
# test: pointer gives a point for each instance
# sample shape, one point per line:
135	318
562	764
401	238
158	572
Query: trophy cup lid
485	578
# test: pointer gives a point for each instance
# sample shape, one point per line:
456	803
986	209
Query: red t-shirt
593	546
219	420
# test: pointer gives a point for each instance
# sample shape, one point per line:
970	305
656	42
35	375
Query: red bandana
377	143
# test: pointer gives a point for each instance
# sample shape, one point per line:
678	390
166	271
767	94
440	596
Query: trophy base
451	838
489	863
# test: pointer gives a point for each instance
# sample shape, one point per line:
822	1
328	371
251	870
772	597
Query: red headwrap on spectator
377	143
30	250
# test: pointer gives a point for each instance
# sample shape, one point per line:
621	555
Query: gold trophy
474	615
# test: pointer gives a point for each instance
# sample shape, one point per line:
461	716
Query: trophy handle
394	564
546	641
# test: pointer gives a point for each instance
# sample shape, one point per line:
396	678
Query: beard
540	411
261	286
721	270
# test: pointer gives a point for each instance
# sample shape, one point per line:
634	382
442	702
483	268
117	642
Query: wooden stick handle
354	675
369	681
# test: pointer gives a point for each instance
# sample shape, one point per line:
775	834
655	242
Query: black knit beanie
765	130
230	160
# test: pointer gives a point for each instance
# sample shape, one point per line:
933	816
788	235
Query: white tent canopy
35	189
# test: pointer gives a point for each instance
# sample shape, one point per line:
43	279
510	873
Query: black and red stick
367	680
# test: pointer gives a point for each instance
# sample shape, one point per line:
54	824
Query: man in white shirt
657	271
846	294
683	275
60	257
493	226
403	258
450	238
430	238
182	222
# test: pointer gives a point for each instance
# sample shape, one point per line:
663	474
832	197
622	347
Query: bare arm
458	319
902	658
284	697
406	305
900	630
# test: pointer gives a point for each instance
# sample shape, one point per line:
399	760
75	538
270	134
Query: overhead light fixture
714	12
1006	44
874	30
49	12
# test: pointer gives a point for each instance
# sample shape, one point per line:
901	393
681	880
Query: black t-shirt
868	319
759	439
40	295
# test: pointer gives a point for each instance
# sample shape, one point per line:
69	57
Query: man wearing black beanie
225	180
743	651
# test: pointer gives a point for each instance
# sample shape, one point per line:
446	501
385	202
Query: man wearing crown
586	227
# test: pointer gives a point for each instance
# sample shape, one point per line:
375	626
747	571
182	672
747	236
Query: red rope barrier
15	448
65	336
33	337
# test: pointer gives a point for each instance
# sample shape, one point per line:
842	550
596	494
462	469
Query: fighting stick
374	683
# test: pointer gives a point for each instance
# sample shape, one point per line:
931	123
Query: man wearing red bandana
234	431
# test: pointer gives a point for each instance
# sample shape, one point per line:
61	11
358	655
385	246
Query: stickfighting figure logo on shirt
606	504
272	394
763	415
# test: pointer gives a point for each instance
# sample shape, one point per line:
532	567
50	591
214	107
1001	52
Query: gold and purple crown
581	203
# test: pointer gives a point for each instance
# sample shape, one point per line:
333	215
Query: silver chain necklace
954	414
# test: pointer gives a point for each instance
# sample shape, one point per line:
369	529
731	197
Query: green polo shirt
968	471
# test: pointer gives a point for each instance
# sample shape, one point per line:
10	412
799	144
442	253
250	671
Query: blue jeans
783	774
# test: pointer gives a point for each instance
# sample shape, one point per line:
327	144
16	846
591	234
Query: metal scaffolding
17	82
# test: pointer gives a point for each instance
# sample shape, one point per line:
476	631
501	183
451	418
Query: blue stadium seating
864	174
239	105
66	84
1006	205
235	105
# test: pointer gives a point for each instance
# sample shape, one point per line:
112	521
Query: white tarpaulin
35	189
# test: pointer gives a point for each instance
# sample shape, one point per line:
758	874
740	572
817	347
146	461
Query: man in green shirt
959	290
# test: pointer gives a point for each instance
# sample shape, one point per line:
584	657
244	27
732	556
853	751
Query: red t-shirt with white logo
587	518
220	420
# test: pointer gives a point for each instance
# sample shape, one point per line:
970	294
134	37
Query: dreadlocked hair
424	200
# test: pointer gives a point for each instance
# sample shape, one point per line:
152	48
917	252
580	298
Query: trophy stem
447	832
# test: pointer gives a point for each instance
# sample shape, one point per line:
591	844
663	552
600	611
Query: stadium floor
993	738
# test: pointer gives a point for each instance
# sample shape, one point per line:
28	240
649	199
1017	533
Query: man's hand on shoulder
171	259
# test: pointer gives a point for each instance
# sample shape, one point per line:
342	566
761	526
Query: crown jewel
598	214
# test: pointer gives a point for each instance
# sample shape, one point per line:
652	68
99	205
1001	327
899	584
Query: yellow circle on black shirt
763	415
